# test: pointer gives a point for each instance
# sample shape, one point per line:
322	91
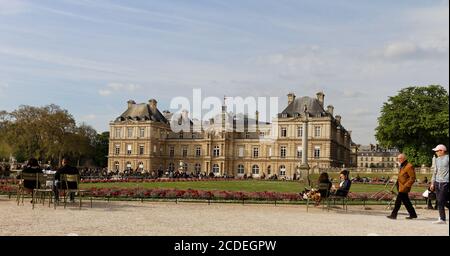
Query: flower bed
158	193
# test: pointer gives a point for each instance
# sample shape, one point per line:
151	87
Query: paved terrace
186	219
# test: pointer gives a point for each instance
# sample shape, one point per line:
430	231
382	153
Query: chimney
291	97
349	133
153	104
320	98
330	109
131	103
338	119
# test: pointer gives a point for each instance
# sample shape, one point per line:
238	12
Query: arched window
282	170
129	166
198	168
269	170
216	169
255	170
240	170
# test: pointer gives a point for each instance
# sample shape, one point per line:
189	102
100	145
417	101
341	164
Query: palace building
142	138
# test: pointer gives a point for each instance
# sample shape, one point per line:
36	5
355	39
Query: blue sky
90	57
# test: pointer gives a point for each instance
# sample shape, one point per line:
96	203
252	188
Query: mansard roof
296	107
142	112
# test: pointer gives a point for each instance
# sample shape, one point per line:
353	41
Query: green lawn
248	185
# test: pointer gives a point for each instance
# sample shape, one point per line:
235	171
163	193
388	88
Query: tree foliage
415	121
47	133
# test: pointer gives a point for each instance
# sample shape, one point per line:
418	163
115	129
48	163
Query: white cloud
409	50
63	60
3	87
10	7
89	117
118	87
400	49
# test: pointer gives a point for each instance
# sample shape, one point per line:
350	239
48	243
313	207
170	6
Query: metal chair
343	198
24	179
387	191
324	190
73	179
44	190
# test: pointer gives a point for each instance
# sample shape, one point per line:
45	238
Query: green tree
414	121
46	133
101	147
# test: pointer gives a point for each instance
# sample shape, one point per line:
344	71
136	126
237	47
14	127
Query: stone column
304	167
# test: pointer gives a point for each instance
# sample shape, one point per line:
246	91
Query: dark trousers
441	189
56	191
403	198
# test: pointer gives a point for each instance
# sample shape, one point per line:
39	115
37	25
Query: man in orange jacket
406	178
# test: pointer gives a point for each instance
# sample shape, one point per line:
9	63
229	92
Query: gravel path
191	219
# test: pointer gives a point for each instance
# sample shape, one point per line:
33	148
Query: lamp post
304	167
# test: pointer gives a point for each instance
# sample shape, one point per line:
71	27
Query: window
117	150
283	132
130	132
129	166
141	149
255	152
299	152
171	151
269	170
118	133
141	132
116	166
270	151
141	166
181	135
216	151
262	134
299	131
154	149
185	167
129	149
241	151
255	170
184	151
317	131
316	152
247	135
198	168
282	170
216	169
171	167
198	151
283	152
240	169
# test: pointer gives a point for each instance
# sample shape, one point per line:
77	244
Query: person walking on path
406	178
439	181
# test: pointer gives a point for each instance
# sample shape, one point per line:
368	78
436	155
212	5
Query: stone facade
142	138
373	156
